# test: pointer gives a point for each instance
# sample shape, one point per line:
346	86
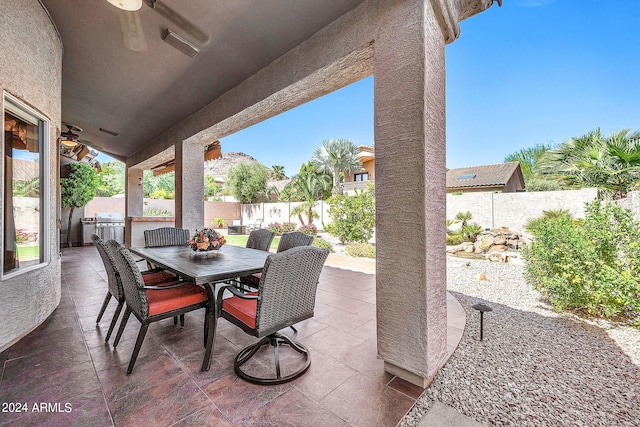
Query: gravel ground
535	367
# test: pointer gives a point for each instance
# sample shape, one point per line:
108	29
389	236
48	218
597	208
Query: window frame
16	107
361	174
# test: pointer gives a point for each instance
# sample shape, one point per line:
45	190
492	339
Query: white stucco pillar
189	185
409	72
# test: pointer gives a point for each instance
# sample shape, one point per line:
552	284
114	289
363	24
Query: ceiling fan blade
132	31
187	26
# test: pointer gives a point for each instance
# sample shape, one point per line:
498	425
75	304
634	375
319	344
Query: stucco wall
30	70
515	209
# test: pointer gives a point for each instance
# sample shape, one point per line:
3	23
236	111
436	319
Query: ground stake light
481	307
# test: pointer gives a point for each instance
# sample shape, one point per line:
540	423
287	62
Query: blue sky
530	72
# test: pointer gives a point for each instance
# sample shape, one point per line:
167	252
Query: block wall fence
489	210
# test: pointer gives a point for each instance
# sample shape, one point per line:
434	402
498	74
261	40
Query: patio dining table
205	269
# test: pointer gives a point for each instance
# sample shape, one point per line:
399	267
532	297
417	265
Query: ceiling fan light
69	143
130	5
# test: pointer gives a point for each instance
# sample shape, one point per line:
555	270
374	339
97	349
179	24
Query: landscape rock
500	244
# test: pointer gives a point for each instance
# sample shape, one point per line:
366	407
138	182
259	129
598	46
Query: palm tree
277	172
336	157
528	159
308	187
612	164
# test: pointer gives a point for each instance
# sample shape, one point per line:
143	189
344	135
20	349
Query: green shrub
321	243
454	239
157	212
353	217
532	225
309	229
280	228
590	266
366	250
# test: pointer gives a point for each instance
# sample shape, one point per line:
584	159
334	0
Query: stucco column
409	72
189	185
134	199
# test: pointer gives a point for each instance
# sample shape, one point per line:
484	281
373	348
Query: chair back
287	290
260	239
132	282
294	239
113	278
166	236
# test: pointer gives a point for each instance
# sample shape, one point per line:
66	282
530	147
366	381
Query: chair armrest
161	288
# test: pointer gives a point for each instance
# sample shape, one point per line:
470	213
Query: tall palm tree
336	157
610	163
308	187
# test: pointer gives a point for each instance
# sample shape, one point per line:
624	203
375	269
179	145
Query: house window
466	176
361	176
23	189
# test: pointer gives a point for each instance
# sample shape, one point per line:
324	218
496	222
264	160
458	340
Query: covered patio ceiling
109	89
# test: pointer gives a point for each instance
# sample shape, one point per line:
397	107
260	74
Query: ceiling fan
133	33
73	147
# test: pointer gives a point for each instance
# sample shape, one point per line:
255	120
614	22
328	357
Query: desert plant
219	222
353	217
309	229
534	223
321	243
157	212
364	250
279	228
590	266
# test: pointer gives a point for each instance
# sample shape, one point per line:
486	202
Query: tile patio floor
65	361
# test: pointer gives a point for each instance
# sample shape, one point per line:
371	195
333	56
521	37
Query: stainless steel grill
110	225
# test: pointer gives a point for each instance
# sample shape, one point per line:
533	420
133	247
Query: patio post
409	89
134	199
189	181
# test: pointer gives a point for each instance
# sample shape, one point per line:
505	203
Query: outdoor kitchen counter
137	224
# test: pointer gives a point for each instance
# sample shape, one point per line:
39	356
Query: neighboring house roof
484	176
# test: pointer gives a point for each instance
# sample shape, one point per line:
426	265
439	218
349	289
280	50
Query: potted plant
219	222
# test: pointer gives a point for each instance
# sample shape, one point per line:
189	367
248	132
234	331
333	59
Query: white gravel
535	367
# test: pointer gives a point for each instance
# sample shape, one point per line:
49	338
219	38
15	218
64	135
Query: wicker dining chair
114	283
166	236
287	241
153	303
286	295
294	239
260	239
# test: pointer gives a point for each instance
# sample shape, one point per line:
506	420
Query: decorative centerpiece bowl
206	240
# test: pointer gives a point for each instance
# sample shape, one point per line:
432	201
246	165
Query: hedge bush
366	250
279	228
309	229
590	266
321	243
353	217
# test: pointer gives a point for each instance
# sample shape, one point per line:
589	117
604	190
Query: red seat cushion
162	301
242	309
159	278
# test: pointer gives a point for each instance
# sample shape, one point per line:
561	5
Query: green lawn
25	252
241	240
